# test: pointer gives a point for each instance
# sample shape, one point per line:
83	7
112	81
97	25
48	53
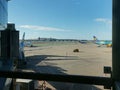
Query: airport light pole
116	41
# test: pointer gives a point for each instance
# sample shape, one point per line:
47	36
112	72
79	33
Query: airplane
24	43
102	42
22	60
28	44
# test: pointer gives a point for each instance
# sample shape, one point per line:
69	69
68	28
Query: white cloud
44	28
104	20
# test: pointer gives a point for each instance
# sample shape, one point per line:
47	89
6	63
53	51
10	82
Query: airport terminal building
3	14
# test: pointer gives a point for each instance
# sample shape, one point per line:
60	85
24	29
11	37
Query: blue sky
66	19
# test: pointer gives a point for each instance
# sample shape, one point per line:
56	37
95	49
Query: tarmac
60	59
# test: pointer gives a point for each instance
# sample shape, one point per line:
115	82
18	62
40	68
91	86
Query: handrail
93	80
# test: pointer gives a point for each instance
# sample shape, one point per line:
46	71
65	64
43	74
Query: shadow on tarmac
39	63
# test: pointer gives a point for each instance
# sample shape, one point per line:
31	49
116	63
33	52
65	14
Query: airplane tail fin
21	50
95	38
23	38
22	41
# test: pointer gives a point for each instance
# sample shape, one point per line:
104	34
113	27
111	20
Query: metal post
116	41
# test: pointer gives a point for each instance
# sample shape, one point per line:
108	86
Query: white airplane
22	60
28	44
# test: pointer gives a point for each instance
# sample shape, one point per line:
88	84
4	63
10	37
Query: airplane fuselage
103	42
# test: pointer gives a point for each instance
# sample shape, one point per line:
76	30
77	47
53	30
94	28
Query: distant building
3	14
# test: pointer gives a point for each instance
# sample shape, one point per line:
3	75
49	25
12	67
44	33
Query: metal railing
93	80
